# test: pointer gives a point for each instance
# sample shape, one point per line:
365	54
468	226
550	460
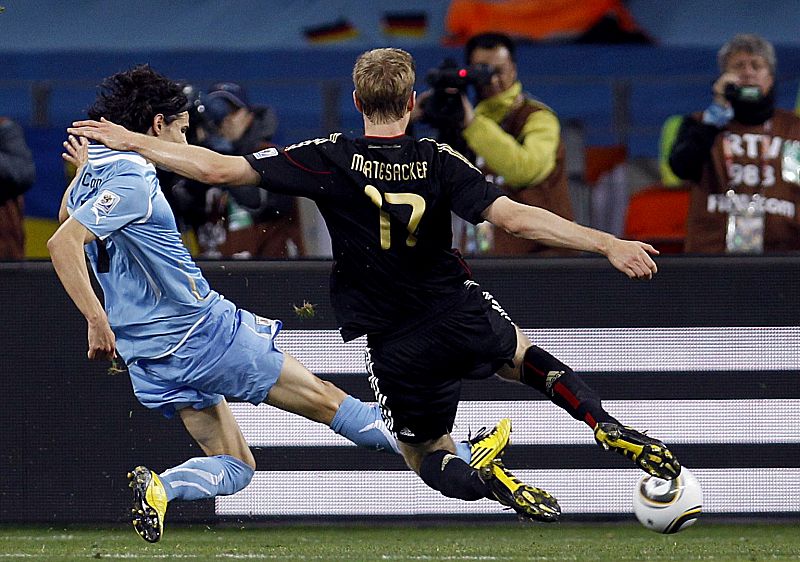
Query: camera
742	93
443	109
450	75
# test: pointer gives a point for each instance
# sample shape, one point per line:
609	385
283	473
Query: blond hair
384	81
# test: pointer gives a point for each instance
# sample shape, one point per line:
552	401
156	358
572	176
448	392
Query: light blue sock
464	451
362	424
205	477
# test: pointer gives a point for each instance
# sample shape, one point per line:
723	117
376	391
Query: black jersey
386	203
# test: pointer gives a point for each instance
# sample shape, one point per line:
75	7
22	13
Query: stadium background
53	55
706	355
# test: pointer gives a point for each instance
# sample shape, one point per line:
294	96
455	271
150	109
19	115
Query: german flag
340	30
405	24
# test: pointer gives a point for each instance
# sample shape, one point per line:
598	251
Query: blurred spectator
743	155
515	141
200	211
17	174
258	224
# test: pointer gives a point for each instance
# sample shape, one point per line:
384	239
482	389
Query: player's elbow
54	244
509	215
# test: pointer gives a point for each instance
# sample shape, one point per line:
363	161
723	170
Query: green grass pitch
512	541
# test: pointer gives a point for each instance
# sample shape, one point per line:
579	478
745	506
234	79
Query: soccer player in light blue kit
186	347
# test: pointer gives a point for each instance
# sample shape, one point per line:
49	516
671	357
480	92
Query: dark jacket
17	174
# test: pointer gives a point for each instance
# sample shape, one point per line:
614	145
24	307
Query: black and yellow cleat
527	501
149	503
489	445
650	454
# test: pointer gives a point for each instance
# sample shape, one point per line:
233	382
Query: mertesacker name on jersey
386	171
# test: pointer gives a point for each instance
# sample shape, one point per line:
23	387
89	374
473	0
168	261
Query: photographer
258	225
743	156
514	139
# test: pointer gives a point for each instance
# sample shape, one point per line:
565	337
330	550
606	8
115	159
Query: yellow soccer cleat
487	446
650	454
149	503
527	501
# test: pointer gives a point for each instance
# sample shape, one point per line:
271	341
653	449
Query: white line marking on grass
37	538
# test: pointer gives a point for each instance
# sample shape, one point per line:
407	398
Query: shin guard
558	382
448	474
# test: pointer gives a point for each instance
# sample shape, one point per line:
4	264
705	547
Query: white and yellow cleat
489	445
149	503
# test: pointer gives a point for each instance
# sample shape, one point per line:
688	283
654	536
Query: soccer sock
556	380
362	424
448	474
206	477
464	451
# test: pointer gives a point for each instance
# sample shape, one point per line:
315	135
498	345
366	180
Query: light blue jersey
155	295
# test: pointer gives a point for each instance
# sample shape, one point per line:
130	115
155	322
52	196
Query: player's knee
247	458
236	475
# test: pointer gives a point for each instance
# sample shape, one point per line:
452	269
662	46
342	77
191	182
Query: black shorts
417	375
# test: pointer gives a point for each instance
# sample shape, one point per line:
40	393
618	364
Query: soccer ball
667	506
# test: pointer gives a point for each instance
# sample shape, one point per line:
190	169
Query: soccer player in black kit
387	200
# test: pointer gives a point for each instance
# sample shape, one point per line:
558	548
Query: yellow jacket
522	162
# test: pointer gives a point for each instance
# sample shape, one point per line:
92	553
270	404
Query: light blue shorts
231	353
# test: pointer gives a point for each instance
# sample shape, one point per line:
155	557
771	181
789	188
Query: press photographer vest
763	159
552	193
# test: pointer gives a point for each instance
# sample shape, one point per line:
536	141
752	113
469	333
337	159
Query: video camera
735	93
443	109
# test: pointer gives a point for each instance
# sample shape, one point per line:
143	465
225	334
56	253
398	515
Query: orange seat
657	215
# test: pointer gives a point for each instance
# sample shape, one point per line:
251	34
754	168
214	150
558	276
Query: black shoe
650	454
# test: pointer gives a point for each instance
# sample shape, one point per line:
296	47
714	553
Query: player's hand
102	343
115	137
633	258
469	111
77	151
419	105
719	87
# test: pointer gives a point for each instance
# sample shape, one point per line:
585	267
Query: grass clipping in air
305	311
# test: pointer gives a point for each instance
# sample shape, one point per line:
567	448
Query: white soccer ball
667	506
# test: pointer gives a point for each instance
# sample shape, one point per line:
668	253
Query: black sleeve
296	170
17	172
692	148
470	193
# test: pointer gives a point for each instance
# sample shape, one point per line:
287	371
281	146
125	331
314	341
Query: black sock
448	474
556	380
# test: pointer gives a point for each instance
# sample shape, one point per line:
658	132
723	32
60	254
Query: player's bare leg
228	468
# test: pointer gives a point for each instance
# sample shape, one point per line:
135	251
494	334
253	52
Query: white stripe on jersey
114	156
442	147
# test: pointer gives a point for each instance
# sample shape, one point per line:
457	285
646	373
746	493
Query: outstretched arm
630	257
66	251
193	162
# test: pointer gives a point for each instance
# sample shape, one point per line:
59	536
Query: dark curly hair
134	97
